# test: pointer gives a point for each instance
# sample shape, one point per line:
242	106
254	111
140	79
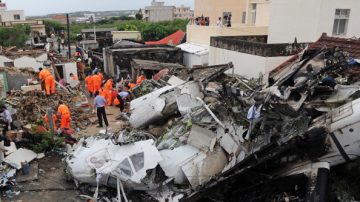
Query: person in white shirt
219	22
254	117
6	119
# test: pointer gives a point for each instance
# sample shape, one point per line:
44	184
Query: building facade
265	33
308	19
183	12
7	16
158	12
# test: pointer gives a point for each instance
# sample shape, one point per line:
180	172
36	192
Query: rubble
21	155
31	106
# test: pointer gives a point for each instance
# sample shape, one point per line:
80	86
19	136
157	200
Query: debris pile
208	128
31	106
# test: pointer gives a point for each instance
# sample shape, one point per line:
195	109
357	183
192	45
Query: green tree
14	36
139	15
53	26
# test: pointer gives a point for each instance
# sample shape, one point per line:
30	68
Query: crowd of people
202	21
225	21
221	22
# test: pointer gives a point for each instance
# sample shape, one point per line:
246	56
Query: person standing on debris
64	113
89	85
108	87
99	104
47	78
6	119
254	117
43	73
80	68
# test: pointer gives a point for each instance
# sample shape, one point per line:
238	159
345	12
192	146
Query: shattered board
21	155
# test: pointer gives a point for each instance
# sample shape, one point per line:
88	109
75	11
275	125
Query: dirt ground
51	184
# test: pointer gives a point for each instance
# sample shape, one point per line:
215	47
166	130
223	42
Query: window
16	17
243	19
253	14
138	161
125	168
341	21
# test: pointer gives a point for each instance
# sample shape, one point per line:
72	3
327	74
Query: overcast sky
43	7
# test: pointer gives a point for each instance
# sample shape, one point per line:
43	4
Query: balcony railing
256	46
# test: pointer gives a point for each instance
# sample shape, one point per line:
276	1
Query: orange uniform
109	84
140	79
89	84
102	93
46	76
108	87
46	119
64	113
50	84
132	85
43	74
101	76
96	83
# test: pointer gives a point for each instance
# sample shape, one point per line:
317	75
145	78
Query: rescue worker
96	82
101	76
50	85
48	79
140	79
46	121
108	87
64	113
89	85
80	68
131	86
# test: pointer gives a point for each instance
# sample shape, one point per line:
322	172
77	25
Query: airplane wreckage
206	148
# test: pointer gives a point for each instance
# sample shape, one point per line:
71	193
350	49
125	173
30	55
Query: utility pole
68	31
94	21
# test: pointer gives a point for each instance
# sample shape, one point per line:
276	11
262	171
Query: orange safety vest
140	79
43	74
63	109
116	102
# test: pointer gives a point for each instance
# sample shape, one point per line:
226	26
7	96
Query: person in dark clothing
99	104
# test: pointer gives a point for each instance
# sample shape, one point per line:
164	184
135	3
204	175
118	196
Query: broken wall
33	62
122	57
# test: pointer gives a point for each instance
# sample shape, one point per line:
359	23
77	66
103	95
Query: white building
158	12
10	15
286	22
194	54
183	12
308	19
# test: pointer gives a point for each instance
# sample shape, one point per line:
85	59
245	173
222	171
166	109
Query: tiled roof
352	46
173	39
